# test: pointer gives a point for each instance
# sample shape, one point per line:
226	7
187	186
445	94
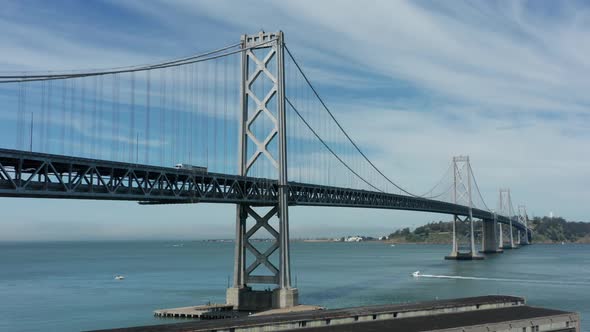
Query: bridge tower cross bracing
462	194
263	58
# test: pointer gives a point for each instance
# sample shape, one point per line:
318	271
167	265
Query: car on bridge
193	168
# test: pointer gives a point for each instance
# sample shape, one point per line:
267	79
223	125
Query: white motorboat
119	277
416	274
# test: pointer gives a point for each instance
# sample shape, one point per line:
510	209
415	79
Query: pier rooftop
484	313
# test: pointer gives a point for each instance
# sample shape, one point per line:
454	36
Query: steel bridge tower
262	59
505	207
462	193
523	219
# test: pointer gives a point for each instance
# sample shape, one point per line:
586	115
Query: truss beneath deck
32	174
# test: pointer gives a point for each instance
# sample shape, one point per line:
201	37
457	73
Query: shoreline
389	242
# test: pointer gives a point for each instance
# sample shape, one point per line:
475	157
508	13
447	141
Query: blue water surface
70	286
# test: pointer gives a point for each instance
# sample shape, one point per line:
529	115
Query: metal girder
30	174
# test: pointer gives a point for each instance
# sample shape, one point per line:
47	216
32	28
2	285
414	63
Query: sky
505	82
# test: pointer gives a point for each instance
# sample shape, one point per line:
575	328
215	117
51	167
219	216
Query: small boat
119	277
416	274
393	245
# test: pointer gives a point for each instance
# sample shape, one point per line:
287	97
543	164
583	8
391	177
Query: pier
204	312
483	313
224	311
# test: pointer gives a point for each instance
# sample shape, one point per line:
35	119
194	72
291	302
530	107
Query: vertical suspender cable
24	111
62	135
198	109
300	140
225	115
162	115
173	106
192	111
85	124
42	116
118	150
236	79
49	119
72	118
206	103
19	119
93	134
214	80
147	117
184	113
132	137
166	110
114	102
100	137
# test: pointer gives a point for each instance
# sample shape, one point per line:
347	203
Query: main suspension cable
477	187
179	62
341	128
328	147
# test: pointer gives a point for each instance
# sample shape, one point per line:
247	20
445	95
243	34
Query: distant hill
551	230
545	230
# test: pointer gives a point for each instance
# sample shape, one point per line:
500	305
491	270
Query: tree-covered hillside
558	229
545	230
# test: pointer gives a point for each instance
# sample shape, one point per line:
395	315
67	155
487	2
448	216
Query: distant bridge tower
264	60
462	194
505	208
523	219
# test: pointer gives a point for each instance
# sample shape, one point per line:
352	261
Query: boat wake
418	274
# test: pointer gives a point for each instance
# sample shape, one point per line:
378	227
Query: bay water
70	286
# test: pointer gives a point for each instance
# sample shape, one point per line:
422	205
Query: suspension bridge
166	133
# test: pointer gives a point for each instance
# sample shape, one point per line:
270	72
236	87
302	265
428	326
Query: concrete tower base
285	297
464	256
496	251
246	299
490	237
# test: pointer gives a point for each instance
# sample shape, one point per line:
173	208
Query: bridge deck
32	174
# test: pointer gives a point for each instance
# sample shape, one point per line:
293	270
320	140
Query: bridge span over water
164	134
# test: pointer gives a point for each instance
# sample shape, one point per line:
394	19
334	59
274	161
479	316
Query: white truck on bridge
189	167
